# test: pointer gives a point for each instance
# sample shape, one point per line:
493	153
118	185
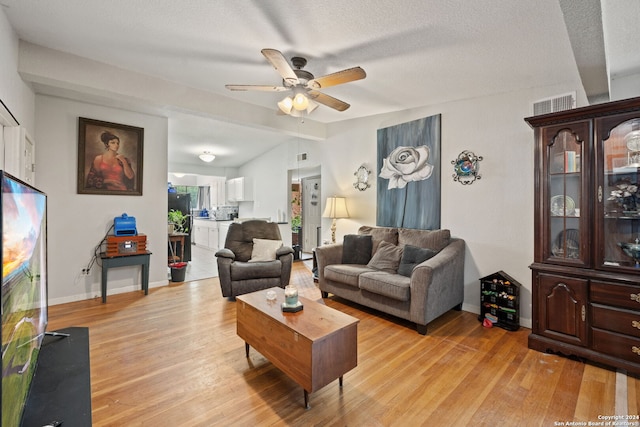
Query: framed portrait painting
109	158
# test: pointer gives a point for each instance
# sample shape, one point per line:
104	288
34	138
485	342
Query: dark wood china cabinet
586	269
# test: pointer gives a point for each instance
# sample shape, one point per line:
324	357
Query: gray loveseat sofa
416	275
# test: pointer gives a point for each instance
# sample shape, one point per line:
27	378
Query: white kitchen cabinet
200	234
19	154
223	229
213	238
240	189
218	192
206	234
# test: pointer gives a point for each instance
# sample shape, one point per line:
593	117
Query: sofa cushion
412	256
387	258
380	234
264	249
430	239
389	285
345	273
356	249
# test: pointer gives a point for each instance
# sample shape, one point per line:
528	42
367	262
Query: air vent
302	156
563	102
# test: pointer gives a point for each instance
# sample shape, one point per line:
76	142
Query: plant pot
178	271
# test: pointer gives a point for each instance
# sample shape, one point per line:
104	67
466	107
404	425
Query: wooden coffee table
313	347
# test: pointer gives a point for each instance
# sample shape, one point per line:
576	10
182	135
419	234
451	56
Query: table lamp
336	208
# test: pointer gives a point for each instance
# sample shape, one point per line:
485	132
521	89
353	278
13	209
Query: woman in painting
111	170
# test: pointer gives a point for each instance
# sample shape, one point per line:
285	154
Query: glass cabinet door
566	208
618	207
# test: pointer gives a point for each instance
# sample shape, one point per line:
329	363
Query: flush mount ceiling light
207	157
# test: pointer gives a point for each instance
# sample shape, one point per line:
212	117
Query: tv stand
61	387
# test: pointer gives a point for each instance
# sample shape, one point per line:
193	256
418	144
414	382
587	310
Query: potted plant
296	223
178	220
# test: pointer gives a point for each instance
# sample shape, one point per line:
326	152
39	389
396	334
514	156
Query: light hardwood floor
173	358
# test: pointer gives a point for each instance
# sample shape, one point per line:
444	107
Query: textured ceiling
415	52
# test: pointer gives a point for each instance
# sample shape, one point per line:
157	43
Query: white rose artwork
406	164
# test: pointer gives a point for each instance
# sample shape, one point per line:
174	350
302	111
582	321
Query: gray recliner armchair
248	265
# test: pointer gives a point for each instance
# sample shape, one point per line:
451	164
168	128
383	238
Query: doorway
311	213
305	201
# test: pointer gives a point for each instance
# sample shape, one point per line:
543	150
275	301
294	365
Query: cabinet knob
635	324
635	297
635	350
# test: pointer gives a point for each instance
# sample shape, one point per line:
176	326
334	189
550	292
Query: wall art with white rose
409	175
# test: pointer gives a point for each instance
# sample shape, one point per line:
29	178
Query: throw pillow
387	257
380	234
264	250
412	256
356	249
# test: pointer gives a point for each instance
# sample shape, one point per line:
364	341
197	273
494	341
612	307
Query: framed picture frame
409	178
110	158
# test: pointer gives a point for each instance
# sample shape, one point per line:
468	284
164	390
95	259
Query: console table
125	261
174	239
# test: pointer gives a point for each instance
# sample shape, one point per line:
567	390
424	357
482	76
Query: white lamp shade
336	208
300	102
286	105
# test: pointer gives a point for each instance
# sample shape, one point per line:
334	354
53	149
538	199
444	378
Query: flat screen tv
23	222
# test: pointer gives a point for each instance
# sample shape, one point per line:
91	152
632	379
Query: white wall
14	93
623	87
78	222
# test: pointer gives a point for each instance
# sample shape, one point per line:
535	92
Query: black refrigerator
182	202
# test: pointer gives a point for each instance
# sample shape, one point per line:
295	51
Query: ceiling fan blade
260	88
279	62
327	100
344	76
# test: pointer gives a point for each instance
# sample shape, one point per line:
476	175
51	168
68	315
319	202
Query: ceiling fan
302	84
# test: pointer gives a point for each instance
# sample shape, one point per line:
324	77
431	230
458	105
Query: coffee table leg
306	400
340	381
246	349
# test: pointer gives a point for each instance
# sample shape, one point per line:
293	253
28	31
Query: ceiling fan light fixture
207	157
286	105
300	102
312	106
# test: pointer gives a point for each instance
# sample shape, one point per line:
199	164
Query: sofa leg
458	307
324	294
422	329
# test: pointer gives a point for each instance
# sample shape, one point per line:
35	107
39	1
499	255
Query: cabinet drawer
617	345
614	294
617	320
